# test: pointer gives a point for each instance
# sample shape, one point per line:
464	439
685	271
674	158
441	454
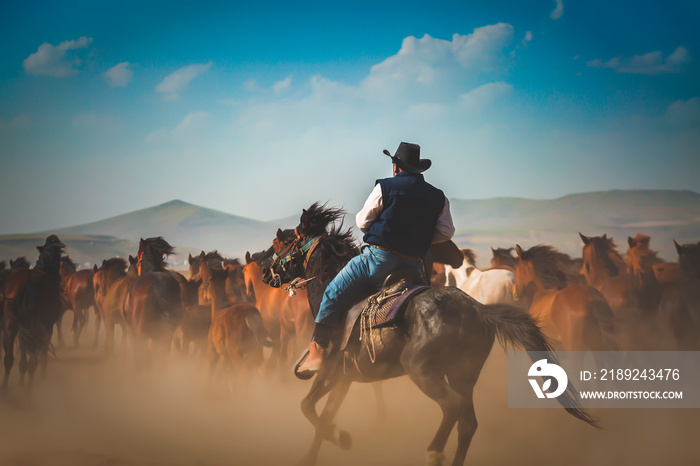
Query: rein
288	255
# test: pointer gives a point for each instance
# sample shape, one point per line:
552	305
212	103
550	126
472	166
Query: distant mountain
185	226
665	215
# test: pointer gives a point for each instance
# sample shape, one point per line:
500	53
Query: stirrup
300	361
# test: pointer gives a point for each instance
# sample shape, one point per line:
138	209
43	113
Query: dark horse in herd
31	306
442	343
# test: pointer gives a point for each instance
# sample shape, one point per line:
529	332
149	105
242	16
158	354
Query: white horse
492	286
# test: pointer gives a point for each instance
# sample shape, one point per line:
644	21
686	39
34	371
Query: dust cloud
90	411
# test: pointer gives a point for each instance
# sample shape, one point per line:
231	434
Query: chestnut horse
32	303
503	259
287	318
112	282
78	296
237	333
153	307
679	308
606	271
576	315
443	341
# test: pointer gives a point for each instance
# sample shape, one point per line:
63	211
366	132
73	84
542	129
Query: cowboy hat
408	159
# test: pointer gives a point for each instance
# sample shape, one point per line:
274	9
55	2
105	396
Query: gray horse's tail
516	328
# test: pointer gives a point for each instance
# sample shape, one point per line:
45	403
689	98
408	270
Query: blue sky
261	108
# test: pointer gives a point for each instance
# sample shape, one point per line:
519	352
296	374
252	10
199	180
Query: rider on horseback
402	217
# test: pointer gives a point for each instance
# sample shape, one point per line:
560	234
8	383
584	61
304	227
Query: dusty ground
90	412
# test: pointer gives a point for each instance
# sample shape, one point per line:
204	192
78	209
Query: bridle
290	253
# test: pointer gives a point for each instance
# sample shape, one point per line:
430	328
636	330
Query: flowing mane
605	249
339	245
546	261
155	250
469	256
116	264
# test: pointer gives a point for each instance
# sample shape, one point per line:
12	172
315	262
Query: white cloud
684	113
528	36
119	75
178	81
558	10
651	63
430	67
482	96
50	60
282	87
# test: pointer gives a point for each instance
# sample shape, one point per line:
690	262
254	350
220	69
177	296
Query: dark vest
411	210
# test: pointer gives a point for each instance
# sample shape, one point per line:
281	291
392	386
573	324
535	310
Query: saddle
385	307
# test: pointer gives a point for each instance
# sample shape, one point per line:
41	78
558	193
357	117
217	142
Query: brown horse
576	315
153	307
679	308
78	296
287	317
503	259
606	271
32	303
112	282
442	344
237	333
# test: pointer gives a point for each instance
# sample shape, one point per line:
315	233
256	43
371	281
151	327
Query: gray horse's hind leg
435	386
323	424
466	418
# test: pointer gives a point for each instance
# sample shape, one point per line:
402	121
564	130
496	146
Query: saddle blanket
383	307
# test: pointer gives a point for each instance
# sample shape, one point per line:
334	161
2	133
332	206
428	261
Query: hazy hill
481	224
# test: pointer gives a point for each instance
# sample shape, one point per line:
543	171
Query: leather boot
313	362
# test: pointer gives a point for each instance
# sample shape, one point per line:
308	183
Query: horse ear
202	255
631	242
679	248
189	258
248	259
304	219
493	251
586	240
605	236
519	251
94	268
279	235
103	262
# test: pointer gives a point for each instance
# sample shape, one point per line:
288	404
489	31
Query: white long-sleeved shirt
444	229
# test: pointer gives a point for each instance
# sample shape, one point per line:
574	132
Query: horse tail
517	328
254	321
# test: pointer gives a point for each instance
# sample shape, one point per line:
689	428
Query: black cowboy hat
408	159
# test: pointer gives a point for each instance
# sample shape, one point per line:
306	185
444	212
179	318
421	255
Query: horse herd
226	311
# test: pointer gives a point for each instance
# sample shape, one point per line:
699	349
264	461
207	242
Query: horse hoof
435	458
343	439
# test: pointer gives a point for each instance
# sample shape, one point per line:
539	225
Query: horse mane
235	263
547	263
319	217
338	246
606	251
20	263
50	255
68	262
156	249
116	263
469	256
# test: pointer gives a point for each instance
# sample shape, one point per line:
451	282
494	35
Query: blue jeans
361	277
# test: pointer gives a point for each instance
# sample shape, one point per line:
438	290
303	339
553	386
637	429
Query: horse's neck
218	297
466	274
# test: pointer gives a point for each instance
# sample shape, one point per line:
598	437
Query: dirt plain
90	411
